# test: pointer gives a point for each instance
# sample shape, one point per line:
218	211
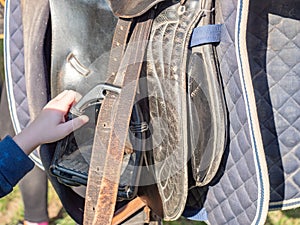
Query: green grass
182	221
11	208
288	217
12	211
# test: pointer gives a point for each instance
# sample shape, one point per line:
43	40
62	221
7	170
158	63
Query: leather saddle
177	123
250	171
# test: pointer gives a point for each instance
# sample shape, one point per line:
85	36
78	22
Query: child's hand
50	125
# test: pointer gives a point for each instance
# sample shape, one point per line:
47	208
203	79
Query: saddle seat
130	9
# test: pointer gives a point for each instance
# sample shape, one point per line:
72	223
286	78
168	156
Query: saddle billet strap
115	108
118	48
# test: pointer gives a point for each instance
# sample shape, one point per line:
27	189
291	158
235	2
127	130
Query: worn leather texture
167	65
207	113
80	58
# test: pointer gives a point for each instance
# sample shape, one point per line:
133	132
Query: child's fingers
78	96
66	102
67	127
61	95
63	101
79	121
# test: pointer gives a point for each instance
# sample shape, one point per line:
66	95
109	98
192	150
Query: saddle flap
131	9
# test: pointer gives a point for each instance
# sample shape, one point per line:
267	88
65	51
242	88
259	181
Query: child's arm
50	125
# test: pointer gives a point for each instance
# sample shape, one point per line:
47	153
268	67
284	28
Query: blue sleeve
14	164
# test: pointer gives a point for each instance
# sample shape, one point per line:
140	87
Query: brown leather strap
112	128
118	47
128	210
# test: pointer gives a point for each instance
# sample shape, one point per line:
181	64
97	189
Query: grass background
12	211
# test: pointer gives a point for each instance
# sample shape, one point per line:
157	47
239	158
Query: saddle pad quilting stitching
239	136
14	71
278	100
233	184
16	79
263	185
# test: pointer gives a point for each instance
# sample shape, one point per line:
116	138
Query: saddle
211	122
183	120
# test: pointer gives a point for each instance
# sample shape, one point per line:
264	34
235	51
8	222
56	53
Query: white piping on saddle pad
250	104
9	80
7	67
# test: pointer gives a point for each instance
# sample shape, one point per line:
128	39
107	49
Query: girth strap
112	127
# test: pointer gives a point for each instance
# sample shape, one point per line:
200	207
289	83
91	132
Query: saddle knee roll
207	115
